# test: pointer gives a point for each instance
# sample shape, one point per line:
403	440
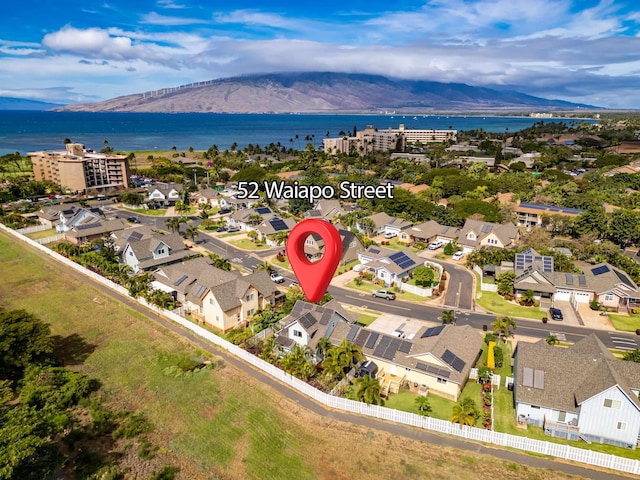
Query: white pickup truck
276	277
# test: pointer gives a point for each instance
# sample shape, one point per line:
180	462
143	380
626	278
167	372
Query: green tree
632	356
506	282
367	389
182	207
24	338
552	340
173	224
502	326
192	232
424	407
139	285
131	198
266	266
528	297
448	316
220	262
449	249
465	412
424	276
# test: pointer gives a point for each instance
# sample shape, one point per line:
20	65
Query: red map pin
314	278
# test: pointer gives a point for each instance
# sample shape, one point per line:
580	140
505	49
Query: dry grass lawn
219	423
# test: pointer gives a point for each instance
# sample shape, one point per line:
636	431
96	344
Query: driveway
569	314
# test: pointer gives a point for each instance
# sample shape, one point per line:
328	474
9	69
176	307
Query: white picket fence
53	238
485	287
423	292
35	228
541	447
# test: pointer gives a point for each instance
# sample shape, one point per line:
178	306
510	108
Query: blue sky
77	51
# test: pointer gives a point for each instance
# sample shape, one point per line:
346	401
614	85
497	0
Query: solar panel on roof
405	347
352	333
372	340
401	259
362	338
448	356
200	290
263	210
382	346
432	332
486	228
374	250
458	364
527	377
582	280
278	224
135	236
421	366
538	379
600	270
180	280
569	278
624	279
85	227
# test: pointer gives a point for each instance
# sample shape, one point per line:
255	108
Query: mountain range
11	103
322	92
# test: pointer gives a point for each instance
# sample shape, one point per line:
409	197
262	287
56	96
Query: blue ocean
25	131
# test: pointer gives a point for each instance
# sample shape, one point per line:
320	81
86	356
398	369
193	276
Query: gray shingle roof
572	375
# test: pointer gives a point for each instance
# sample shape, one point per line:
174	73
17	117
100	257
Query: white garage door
582	297
562	295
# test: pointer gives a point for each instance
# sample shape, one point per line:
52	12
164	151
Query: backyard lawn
494	303
247	244
406	401
159	212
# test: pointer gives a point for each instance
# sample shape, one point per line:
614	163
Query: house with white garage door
608	285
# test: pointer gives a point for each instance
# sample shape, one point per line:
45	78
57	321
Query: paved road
460	281
367	422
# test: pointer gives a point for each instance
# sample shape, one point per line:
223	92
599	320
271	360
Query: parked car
276	277
386	294
555	313
293	284
359	267
390	235
457	256
224	210
133	220
221	229
436	245
233	229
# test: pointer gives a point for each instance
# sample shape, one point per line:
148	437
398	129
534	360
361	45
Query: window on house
562	416
212	301
309	241
297	333
535	407
130	253
608	297
621	426
352	245
161	251
249	297
610	403
251	311
471	236
441	380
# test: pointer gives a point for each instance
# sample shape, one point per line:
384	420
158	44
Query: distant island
322	92
11	103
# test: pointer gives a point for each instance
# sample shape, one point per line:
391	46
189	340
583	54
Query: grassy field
159	212
406	401
220	423
42	234
625	323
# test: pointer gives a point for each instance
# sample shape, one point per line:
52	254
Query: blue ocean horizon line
24	131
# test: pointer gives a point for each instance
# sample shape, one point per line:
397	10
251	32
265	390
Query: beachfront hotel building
79	169
374	140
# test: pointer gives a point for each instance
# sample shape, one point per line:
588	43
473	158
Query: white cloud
170	4
154	18
256	18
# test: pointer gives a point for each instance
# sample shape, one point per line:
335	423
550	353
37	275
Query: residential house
579	392
476	234
273	227
220	299
428	232
164	194
92	230
235	203
438	359
534	214
383	223
608	285
389	265
145	252
52	215
82	216
208	196
308	323
326	210
351	246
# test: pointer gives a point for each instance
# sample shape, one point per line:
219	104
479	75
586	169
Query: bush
498	356
489	337
188	365
167	473
448	249
133	425
594	305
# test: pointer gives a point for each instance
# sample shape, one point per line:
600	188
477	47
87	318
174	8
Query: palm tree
367	389
220	262
465	412
281	237
351	354
268	350
192	232
528	297
323	346
266	266
448	316
173	224
182	207
501	326
552	340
